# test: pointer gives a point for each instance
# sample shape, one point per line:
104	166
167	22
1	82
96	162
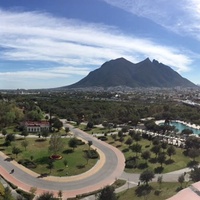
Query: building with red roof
36	127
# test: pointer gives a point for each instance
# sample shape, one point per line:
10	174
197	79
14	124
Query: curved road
109	167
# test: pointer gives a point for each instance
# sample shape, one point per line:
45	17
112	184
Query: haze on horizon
46	44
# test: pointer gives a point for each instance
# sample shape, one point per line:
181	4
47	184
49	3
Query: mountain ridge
121	72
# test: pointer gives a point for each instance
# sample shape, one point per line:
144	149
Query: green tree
46	196
107	193
120	134
193	153
195	174
45	134
146	155
72	143
137	137
129	141
56	123
121	139
181	179
24	133
136	148
4	132
10	137
164	145
187	132
8	194
9	117
146	176
24	144
90	143
90	125
124	129
159	181
156	149
171	151
34	115
16	151
161	158
55	144
192	142
114	137
67	129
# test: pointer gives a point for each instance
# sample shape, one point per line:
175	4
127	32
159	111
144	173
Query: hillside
121	72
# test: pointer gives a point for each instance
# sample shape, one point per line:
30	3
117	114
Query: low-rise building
36	127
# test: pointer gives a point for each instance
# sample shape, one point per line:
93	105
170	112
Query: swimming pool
181	127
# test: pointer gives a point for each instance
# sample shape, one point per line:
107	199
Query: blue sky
52	43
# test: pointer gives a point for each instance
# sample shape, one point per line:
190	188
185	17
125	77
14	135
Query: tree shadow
142	165
20	139
192	164
179	189
8	159
169	161
185	153
43	175
40	140
111	142
143	190
125	150
43	160
68	151
153	160
158	170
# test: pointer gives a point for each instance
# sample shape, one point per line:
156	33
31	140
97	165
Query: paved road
108	168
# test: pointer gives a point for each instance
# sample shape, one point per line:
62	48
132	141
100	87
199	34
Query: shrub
92	154
26	195
80	166
27	163
131	163
80	142
103	138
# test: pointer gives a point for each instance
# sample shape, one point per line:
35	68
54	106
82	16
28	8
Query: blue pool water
181	127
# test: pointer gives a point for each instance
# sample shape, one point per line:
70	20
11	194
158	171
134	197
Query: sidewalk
68	184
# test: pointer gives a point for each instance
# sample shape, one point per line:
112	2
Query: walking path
109	167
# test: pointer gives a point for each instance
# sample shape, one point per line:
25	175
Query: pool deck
181	122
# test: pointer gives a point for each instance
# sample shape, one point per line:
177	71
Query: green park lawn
178	161
37	150
167	190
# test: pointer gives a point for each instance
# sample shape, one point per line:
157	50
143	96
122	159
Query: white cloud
33	36
182	16
44	73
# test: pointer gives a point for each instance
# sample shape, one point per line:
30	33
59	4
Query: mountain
121	72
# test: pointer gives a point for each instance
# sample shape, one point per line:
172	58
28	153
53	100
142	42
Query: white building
35	127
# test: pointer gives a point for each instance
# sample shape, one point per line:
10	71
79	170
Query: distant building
36	127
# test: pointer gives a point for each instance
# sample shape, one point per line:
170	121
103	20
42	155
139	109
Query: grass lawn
167	190
179	160
38	150
95	129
